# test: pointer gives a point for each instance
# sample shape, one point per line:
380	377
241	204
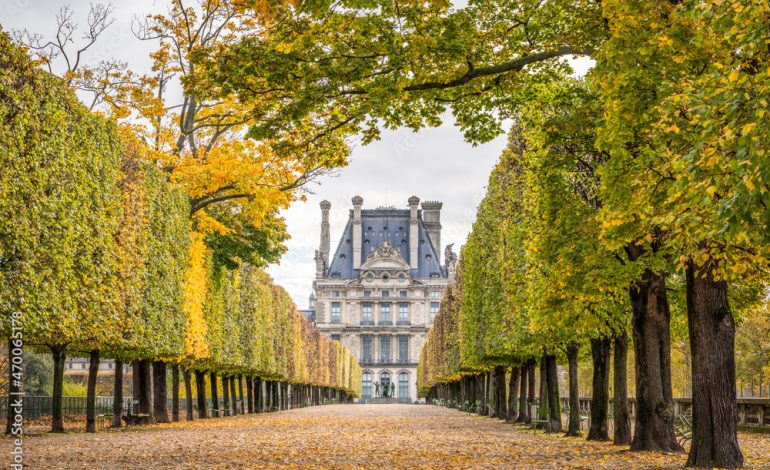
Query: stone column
413	232
431	218
357	235
325	237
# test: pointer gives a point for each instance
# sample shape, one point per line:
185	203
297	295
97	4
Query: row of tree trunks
151	395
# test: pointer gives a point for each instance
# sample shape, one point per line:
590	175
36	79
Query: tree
688	93
58	219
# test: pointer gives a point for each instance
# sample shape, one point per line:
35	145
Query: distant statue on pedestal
376	389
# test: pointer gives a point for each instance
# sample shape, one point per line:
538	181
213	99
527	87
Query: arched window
403	386
366	386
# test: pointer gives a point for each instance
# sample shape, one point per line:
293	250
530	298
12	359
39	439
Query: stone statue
320	264
376	389
392	389
450	257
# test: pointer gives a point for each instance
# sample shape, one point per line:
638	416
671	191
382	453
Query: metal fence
34	407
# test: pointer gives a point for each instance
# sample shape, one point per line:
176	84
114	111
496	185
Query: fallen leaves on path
347	436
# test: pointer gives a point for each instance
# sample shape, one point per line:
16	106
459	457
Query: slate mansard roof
377	227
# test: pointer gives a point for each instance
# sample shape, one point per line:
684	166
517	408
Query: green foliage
38	371
59	207
358	66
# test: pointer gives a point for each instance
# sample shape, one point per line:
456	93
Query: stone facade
379	291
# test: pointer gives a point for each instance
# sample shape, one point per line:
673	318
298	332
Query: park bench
542	416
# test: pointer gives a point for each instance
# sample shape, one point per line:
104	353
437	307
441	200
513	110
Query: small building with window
380	290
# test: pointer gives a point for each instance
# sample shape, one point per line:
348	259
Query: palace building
379	291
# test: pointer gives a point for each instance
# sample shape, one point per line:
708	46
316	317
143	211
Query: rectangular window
335	312
385	313
366	357
434	294
366	386
366	312
404	293
403	386
385	349
434	306
367	293
336	338
335	293
385	294
403	312
403	349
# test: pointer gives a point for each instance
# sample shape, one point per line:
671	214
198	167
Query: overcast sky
434	164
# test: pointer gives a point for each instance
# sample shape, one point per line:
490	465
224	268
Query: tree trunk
188	393
250	393
117	395
554	401
573	348
59	354
543	401
200	385
135	392
600	400
481	409
233	398
214	394
712	337
175	393
513	394
531	365
523	408
145	389
654	424
160	392
226	395
502	409
93	372
622	424
258	395
240	393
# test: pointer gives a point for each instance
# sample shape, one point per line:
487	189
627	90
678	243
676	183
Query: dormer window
342	256
385	278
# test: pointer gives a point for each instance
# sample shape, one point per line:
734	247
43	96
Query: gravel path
343	436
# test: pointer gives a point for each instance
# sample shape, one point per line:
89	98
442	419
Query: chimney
413	232
325	238
357	235
431	218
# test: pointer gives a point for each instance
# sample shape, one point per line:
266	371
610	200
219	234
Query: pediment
384	258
